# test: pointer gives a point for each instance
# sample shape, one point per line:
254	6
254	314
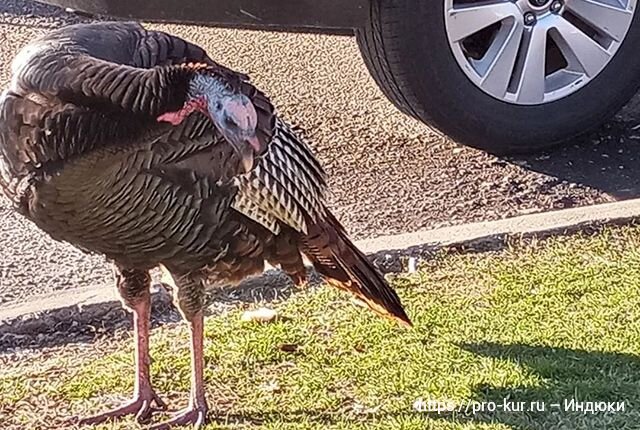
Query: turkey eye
230	122
218	106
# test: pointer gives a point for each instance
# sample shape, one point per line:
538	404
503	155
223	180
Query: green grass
538	322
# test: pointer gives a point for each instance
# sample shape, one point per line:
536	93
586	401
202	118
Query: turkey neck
87	82
85	70
105	105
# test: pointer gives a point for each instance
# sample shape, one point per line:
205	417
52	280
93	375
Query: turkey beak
237	119
246	149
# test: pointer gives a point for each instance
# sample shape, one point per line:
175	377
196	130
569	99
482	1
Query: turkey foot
194	415
145	400
143	406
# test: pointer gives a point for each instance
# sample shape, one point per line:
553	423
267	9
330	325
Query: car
505	76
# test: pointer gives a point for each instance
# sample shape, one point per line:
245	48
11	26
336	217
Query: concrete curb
479	235
99	306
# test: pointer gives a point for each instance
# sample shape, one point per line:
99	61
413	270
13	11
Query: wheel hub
531	52
539	3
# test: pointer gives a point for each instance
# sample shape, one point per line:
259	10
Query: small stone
413	265
263	315
270	387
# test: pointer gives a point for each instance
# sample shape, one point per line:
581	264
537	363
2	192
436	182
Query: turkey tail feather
346	267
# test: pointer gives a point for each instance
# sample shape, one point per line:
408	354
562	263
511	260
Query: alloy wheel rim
530	52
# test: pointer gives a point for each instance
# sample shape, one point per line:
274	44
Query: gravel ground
389	173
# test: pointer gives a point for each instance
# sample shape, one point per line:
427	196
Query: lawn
549	322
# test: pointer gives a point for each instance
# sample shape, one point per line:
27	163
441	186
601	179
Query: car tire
405	47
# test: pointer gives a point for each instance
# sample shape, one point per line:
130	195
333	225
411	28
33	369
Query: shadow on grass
296	417
83	324
568	374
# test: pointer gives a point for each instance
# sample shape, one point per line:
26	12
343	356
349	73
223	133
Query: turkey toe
193	416
143	407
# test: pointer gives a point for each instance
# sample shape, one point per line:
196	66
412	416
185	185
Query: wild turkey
136	145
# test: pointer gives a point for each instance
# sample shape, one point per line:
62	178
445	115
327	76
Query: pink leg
196	413
144	397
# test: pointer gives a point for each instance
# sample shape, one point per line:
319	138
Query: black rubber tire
405	48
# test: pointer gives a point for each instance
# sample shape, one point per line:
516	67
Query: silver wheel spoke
530	52
579	48
501	64
610	20
467	20
531	83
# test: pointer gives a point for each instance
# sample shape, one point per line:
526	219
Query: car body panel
326	16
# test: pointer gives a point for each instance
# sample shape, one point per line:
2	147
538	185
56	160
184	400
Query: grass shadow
75	324
568	375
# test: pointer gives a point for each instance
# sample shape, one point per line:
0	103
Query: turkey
134	144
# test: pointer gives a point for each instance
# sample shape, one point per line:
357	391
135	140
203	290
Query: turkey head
231	111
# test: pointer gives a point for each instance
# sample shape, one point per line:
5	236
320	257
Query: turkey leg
144	397
196	413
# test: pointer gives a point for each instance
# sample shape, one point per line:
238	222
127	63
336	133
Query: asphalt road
389	173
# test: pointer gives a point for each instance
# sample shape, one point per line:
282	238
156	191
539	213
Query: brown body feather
83	157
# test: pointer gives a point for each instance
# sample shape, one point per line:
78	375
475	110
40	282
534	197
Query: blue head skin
232	113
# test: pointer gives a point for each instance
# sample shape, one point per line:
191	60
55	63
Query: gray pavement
389	173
